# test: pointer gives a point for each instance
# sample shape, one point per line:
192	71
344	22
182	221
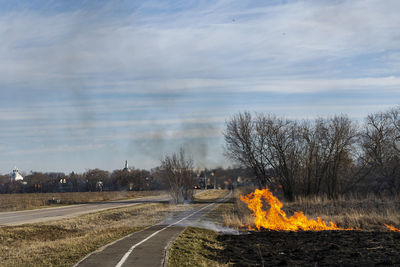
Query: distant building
16	176
126	168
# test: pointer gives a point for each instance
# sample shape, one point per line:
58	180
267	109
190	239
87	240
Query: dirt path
147	247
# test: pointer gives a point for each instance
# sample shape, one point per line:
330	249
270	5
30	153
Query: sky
90	84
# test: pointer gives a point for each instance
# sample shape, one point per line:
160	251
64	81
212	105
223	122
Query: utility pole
205	178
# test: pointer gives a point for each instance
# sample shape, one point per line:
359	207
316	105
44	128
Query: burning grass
374	245
14	202
274	218
369	214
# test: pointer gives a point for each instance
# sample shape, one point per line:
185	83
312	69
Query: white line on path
125	257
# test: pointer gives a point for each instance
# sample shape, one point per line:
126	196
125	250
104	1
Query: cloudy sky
86	84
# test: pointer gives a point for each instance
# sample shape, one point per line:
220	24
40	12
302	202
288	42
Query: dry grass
64	242
369	213
13	202
210	195
196	247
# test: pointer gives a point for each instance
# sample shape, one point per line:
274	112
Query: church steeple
126	168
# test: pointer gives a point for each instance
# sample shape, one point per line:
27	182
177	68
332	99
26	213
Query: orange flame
392	228
275	218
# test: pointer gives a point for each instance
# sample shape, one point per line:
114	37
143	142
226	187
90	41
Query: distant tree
140	179
381	150
77	182
93	177
177	171
4	180
120	179
39	182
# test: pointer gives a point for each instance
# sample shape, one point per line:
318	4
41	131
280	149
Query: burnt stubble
310	248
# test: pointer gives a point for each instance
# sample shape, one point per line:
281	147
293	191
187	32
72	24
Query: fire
275	218
392	228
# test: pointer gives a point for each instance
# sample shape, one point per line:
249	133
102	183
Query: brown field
372	244
209	195
66	241
203	247
370	213
14	202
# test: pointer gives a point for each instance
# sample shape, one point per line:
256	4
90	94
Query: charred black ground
325	248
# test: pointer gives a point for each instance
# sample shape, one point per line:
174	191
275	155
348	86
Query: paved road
147	247
39	215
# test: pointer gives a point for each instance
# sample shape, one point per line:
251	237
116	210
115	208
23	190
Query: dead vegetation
373	245
210	195
64	242
369	213
196	247
14	202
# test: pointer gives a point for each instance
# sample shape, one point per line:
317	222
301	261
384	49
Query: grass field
370	213
64	242
14	202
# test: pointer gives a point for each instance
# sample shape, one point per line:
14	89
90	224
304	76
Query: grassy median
27	201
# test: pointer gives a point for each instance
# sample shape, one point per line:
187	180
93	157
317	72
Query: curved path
146	247
39	215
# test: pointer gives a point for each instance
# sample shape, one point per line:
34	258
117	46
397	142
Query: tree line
326	156
91	180
176	174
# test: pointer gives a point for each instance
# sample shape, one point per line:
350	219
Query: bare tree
328	158
340	141
266	144
303	158
177	170
281	144
380	143
244	146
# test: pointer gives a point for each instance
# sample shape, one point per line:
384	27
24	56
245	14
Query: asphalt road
146	247
47	214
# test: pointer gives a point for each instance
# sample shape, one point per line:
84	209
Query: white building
16	176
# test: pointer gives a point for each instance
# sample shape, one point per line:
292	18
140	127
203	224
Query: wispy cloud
56	149
311	39
76	72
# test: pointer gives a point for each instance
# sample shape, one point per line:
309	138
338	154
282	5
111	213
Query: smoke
194	135
202	223
212	226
